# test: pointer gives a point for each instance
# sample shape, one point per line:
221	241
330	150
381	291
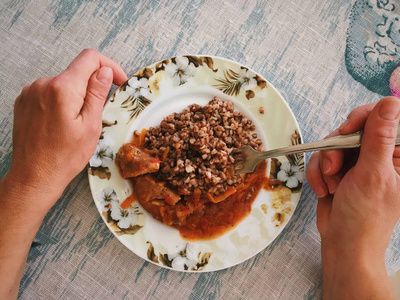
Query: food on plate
137	161
182	170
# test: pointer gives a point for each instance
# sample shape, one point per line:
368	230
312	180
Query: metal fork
246	158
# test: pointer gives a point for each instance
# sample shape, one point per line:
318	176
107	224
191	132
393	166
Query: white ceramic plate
170	86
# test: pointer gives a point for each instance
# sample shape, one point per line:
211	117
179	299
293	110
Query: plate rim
294	119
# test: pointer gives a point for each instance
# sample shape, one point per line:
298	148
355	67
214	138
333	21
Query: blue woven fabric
325	57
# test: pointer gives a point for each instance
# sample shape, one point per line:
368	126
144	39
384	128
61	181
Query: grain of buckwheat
201	140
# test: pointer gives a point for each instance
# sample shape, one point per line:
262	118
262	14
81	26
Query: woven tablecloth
325	57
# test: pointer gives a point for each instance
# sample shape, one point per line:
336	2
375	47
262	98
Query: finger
30	92
35	88
396	159
396	152
356	119
86	63
96	94
315	178
378	142
25	90
324	208
331	161
38	86
396	163
332	182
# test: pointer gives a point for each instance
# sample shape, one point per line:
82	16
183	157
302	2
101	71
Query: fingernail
344	124
320	191
390	109
326	165
332	188
104	75
332	185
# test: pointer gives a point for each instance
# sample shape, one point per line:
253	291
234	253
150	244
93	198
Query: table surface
325	57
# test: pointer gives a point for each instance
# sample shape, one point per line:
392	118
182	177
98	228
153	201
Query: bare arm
57	123
359	205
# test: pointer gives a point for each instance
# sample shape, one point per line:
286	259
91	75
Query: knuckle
55	85
381	176
389	98
361	112
385	135
25	89
96	94
89	52
21	96
55	90
328	153
38	85
51	93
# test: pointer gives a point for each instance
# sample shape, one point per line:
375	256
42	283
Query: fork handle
338	142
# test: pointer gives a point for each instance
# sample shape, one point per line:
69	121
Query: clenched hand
57	123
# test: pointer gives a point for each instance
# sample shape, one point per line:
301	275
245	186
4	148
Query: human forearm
358	205
20	219
354	272
57	123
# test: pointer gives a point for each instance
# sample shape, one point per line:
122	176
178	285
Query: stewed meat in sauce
182	170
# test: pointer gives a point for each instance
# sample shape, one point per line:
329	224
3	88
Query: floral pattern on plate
291	173
121	220
233	82
186	257
100	161
169	86
180	71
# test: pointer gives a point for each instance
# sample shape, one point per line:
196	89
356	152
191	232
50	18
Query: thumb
380	132
96	93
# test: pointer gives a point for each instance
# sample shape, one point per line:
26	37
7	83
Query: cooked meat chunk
147	189
133	161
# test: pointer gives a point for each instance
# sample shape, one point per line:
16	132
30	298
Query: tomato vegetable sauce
199	219
214	219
